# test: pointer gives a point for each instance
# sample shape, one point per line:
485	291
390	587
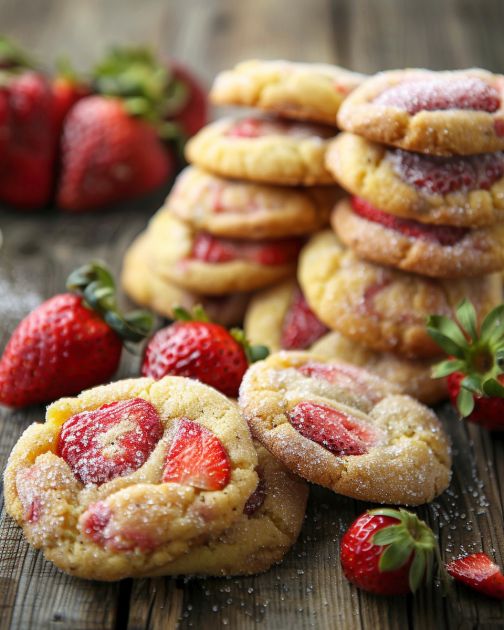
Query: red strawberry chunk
444	175
442	234
248	128
272	252
27	493
111	441
480	573
432	94
336	431
257	498
301	327
197	458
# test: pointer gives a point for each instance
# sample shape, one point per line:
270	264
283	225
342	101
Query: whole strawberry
389	552
475	369
480	573
191	112
108	155
67	88
28	135
70	342
199	349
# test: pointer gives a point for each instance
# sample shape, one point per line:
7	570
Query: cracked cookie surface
343	428
107	497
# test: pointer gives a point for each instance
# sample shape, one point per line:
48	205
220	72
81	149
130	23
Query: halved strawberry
475	369
478	572
197	458
336	431
111	441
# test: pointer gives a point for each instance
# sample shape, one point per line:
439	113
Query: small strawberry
475	369
67	88
199	349
108	155
389	552
301	327
480	573
338	432
111	441
70	342
197	458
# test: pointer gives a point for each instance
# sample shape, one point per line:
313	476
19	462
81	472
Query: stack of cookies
256	188
422	155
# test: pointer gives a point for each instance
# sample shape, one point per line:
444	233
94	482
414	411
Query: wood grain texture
308	589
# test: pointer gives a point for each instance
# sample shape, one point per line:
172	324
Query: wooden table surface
308	589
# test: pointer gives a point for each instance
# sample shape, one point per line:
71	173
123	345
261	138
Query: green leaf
417	569
465	402
466	315
388	535
199	314
181	314
391	512
492	387
493	321
446	367
473	383
257	353
447	344
395	556
448	328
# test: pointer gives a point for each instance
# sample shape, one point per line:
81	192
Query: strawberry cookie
439	251
465	191
383	308
280	318
266	150
203	263
413	376
345	429
147	288
305	91
235	209
267	528
442	113
127	477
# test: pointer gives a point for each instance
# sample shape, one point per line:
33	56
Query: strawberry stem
96	285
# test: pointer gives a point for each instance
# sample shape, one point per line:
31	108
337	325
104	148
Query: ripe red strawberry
438	93
480	573
443	234
111	441
192	113
301	327
389	552
475	368
67	90
199	349
197	458
108	155
335	430
213	249
68	343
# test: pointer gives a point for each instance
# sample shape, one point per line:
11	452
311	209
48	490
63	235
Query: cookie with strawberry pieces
200	262
458	112
304	91
437	251
463	191
147	288
475	368
265	531
281	319
264	150
126	477
382	308
341	427
238	209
